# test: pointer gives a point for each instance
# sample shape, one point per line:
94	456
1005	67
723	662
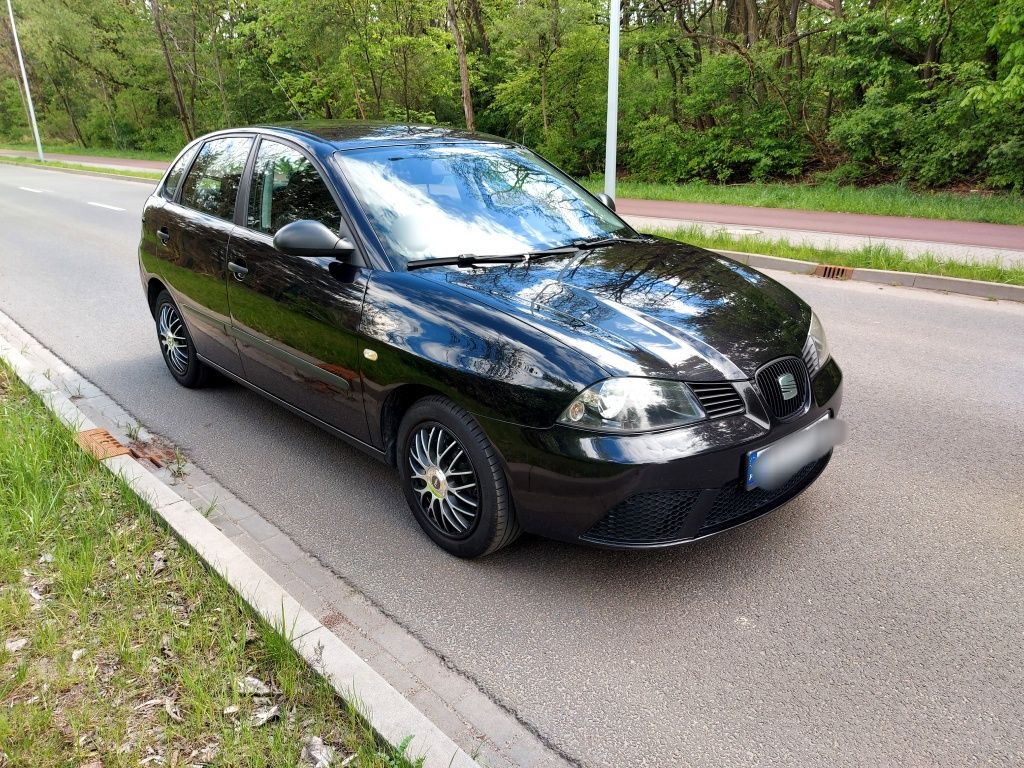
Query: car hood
659	308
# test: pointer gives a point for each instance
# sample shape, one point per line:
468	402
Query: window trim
201	143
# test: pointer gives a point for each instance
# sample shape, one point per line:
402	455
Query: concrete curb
390	714
81	171
980	288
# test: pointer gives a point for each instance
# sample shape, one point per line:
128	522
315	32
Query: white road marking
32	189
104	205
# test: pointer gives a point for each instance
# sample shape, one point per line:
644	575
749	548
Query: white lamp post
612	131
24	78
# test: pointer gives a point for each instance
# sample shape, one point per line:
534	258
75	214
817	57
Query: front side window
285	188
212	184
170	187
428	202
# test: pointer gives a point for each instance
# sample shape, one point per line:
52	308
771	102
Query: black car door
194	231
296	318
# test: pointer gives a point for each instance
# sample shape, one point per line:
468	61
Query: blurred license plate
771	466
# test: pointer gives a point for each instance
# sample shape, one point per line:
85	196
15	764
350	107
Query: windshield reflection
446	200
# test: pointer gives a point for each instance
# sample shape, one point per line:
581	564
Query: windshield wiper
602	240
471	259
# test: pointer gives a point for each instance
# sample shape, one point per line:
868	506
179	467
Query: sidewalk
965	241
121	163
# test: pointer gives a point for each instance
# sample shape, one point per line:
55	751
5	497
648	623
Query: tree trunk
179	99
476	13
460	46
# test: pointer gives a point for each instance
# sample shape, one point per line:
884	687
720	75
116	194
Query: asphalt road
876	620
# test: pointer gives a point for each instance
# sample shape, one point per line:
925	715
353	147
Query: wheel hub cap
436	482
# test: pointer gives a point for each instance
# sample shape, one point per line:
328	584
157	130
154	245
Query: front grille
653	517
718	398
735	502
770	380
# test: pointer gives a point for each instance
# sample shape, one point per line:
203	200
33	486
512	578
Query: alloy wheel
444	481
173	341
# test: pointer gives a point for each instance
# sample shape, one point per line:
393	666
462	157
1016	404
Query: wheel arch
398	402
153	288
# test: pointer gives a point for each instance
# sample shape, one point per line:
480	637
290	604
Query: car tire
469	513
176	346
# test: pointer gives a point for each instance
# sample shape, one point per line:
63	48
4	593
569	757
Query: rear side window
170	187
212	184
285	188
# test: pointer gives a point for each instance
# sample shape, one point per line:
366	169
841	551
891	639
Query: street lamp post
612	131
24	78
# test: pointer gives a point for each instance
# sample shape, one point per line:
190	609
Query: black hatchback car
457	307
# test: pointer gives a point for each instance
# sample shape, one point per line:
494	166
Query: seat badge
787	383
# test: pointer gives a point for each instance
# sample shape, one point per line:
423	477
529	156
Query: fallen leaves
315	753
172	710
159	561
251	686
264	715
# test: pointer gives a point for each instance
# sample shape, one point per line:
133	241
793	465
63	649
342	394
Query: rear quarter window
173	180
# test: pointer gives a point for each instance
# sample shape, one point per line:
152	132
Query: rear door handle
238	270
163	234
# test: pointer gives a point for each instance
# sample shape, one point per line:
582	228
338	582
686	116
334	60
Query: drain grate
833	272
100	443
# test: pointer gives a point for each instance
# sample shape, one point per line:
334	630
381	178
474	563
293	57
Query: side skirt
376	453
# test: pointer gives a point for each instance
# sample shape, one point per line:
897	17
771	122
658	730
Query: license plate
772	465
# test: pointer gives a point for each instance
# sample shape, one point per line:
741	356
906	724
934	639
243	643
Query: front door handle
164	235
238	270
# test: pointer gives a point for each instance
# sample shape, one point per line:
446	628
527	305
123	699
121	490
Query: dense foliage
926	91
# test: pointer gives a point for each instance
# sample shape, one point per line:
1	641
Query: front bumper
650	490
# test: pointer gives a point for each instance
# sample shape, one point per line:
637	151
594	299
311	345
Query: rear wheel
453	480
176	345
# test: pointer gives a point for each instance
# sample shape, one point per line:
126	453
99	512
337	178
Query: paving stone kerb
390	714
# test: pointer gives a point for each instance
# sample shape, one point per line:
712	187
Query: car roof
353	134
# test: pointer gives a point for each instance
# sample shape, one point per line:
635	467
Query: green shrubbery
929	95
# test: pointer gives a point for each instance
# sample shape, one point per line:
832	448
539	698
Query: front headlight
633	405
817	342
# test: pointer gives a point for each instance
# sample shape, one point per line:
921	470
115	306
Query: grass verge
881	200
868	257
136	173
117	646
74	149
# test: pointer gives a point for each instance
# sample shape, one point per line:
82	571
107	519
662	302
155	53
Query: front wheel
453	480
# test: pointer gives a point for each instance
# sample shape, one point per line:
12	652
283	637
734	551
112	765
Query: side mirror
311	238
608	202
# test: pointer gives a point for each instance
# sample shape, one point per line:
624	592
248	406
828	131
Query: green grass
125	660
882	200
136	173
869	257
74	149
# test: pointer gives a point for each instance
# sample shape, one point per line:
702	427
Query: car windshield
428	202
